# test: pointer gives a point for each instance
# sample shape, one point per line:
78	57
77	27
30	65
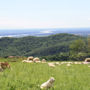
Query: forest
54	47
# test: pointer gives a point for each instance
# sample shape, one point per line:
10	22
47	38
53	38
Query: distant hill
36	46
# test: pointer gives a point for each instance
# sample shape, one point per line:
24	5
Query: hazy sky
44	13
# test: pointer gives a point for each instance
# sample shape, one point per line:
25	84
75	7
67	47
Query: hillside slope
36	46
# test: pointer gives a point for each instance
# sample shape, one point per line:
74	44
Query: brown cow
4	65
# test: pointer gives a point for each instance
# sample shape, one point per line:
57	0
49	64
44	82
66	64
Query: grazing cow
48	84
4	65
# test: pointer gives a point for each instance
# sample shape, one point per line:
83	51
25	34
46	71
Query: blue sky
22	14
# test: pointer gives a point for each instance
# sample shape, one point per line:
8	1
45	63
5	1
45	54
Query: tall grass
26	76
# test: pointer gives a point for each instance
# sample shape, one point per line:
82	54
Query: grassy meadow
29	76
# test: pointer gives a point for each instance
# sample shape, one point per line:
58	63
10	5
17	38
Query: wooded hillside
36	46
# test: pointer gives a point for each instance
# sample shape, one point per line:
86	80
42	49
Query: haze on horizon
25	14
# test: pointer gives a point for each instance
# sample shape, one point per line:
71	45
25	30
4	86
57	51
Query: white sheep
48	84
24	60
43	61
85	62
68	64
63	62
57	63
36	59
51	64
75	62
30	58
27	61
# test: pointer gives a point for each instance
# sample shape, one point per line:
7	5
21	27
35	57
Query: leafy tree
78	46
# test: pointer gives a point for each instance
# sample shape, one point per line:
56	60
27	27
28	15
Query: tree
78	46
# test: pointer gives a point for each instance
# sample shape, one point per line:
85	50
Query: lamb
48	84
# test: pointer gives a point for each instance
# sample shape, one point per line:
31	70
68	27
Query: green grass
26	76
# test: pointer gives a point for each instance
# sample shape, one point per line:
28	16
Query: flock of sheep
49	83
31	59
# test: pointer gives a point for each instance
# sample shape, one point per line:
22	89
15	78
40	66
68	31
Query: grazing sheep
63	62
43	61
75	62
51	64
68	64
87	61
24	60
79	62
57	63
30	58
48	84
36	59
27	61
